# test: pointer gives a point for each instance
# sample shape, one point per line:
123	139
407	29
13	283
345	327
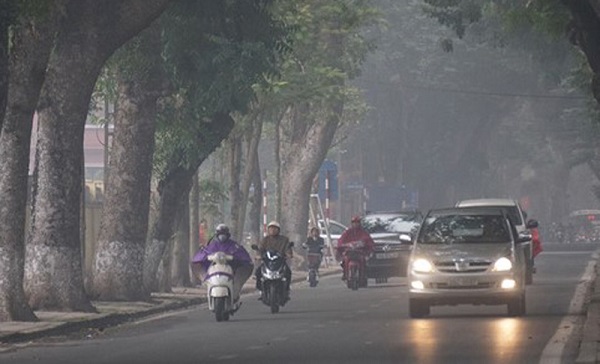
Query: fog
482	120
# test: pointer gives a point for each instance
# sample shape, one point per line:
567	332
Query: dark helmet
222	229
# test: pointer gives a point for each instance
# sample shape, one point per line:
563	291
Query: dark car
390	257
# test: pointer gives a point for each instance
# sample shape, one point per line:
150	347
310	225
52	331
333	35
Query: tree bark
172	189
118	265
91	32
303	148
33	40
181	258
584	34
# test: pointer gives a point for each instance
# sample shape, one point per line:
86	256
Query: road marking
568	253
556	345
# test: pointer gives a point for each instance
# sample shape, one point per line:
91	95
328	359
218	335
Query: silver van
466	256
518	217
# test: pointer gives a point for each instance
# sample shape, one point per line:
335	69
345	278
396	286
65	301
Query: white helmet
274	223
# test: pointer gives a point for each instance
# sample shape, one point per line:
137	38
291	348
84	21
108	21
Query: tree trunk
181	258
234	172
303	148
584	34
251	158
172	189
256	202
194	224
91	32
118	264
29	57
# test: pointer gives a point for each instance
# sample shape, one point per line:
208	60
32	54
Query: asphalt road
331	324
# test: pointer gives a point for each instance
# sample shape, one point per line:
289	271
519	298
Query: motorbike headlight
422	266
502	265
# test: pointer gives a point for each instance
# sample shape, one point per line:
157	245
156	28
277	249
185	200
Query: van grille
474	266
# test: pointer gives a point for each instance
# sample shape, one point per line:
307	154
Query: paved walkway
114	313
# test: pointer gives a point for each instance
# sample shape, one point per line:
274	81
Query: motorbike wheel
312	278
220	309
274	299
353	280
516	306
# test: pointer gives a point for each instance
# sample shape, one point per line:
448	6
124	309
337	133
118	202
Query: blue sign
329	171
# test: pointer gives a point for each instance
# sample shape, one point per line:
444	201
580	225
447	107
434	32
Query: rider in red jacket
354	233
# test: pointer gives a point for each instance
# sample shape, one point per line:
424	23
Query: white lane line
568	253
554	348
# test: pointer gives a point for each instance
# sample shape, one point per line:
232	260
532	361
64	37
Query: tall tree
118	267
328	51
8	12
216	52
91	31
32	39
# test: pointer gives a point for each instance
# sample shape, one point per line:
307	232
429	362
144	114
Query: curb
114	319
590	336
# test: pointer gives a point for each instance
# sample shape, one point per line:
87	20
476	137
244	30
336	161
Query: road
331	324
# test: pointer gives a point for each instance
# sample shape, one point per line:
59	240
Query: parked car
335	231
583	226
390	257
467	256
518	217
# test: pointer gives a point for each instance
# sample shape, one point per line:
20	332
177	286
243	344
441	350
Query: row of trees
539	31
184	76
499	111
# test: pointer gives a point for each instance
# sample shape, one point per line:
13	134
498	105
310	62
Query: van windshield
458	229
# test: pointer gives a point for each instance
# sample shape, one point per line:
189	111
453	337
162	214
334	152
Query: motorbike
354	258
219	282
314	261
274	286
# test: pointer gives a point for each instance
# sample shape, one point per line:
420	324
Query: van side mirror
524	237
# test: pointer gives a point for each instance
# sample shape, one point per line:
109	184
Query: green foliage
329	48
216	53
216	50
455	14
212	194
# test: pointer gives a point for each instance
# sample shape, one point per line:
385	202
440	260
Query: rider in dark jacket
277	242
314	244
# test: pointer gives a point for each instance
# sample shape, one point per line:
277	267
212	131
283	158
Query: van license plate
386	255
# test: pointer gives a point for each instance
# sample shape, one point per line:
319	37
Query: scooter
274	284
219	282
313	261
354	264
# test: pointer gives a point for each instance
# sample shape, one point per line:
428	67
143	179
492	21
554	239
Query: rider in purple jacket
242	262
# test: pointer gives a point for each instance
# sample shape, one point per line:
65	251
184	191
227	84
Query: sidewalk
114	313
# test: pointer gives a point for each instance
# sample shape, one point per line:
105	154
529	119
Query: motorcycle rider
315	243
536	240
242	262
354	233
280	243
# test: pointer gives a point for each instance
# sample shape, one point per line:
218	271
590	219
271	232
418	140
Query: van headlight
422	266
502	265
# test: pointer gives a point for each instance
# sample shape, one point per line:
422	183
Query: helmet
355	218
222	229
275	224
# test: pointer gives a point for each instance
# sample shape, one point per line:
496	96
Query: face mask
222	237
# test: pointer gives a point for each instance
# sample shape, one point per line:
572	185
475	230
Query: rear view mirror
524	237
